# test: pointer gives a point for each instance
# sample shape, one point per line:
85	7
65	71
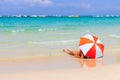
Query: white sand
111	72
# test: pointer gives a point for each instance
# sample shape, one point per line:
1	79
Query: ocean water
33	36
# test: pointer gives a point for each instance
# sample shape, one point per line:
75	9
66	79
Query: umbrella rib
86	47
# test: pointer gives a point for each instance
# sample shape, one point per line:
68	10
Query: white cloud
75	4
31	2
42	2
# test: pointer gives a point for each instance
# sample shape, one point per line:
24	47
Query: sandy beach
105	73
62	67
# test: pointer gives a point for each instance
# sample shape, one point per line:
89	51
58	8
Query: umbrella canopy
91	46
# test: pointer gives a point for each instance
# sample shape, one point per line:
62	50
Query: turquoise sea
33	36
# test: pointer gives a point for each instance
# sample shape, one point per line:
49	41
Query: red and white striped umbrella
91	46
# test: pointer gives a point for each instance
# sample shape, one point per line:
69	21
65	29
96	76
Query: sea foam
52	42
115	36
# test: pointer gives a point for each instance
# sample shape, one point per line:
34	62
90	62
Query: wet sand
62	67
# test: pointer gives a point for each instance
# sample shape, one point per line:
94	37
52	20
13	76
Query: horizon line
60	16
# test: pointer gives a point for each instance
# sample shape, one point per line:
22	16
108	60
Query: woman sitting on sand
77	54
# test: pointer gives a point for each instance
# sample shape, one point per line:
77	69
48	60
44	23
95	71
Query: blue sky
59	7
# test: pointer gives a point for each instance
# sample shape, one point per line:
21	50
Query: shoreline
58	53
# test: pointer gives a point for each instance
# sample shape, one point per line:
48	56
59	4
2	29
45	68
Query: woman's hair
84	56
